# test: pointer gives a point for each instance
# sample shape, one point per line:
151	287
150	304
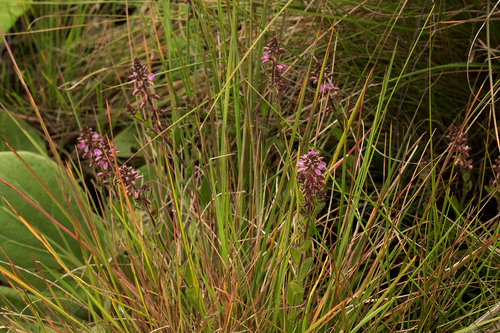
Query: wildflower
130	110
102	155
311	179
271	53
265	58
324	86
458	145
129	175
151	78
87	138
496	167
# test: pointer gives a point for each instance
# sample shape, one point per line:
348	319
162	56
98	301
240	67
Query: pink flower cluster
458	145
311	179
325	85
271	53
96	149
496	167
102	156
144	81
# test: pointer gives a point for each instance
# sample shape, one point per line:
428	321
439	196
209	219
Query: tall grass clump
251	166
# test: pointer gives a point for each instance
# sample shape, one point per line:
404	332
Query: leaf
194	297
337	133
292	316
149	176
9	11
15	137
188	276
294	294
16	240
10	298
306	245
205	192
295	256
127	143
154	209
154	136
305	268
264	107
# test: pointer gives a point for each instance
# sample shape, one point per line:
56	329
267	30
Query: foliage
12	131
400	231
9	11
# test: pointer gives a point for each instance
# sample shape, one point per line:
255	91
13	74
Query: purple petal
321	165
265	56
318	172
301	162
106	165
281	67
132	81
96	135
151	77
321	88
300	169
151	83
329	86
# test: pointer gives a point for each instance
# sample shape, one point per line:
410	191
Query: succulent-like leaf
15	137
9	11
16	240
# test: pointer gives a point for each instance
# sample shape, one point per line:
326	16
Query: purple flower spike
311	180
458	145
102	155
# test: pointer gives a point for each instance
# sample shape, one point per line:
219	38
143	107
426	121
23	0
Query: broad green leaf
11	299
264	107
154	136
14	136
294	294
9	11
16	239
127	143
194	297
138	116
305	268
292	316
154	209
295	256
205	192
306	245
